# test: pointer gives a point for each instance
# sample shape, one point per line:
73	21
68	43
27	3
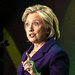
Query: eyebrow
35	20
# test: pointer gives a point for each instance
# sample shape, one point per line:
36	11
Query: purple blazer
50	59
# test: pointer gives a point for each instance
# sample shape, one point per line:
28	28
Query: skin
35	26
36	33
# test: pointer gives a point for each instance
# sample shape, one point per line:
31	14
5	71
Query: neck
37	46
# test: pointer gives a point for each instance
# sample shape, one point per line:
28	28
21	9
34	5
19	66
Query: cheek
26	32
41	32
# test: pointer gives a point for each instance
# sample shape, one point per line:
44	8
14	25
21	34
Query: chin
33	41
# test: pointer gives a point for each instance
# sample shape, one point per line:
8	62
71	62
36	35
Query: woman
43	57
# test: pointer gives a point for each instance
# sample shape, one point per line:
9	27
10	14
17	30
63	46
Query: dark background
10	19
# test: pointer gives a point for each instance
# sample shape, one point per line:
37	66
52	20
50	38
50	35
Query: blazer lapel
43	50
37	55
28	51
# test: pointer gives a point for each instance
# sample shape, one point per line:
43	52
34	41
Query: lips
31	35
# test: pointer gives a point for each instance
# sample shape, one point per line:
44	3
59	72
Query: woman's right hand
29	66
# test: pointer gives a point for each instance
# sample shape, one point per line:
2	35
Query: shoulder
58	54
23	56
55	49
26	51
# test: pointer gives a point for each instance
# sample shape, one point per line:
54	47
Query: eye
27	24
36	23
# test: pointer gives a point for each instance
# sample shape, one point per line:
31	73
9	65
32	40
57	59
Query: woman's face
35	28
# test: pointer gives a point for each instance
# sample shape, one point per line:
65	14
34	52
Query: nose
31	28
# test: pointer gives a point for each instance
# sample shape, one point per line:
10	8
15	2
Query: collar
48	45
44	49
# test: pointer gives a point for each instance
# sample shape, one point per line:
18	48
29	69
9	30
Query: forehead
34	16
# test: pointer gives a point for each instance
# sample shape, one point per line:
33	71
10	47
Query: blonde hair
48	16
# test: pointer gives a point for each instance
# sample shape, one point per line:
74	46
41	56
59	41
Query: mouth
31	35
